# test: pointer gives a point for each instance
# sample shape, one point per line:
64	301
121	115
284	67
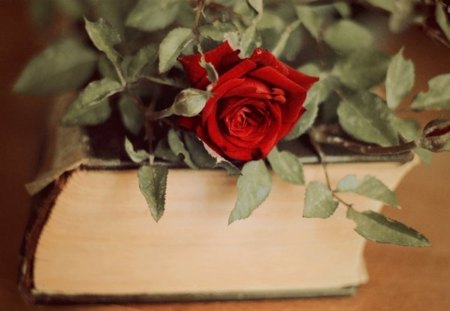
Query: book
92	238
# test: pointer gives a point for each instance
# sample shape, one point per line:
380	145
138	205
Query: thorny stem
321	155
147	123
329	135
198	14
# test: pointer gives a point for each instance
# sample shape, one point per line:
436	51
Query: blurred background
401	278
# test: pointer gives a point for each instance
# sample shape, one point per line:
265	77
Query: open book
92	238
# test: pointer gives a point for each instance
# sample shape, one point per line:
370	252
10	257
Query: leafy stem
147	123
329	135
321	155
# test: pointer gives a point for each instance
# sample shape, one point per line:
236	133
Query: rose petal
222	57
275	78
237	71
266	58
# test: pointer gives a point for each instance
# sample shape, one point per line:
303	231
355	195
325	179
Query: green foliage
163	151
137	156
370	187
310	19
153	184
283	41
73	8
85	109
112	11
366	117
151	15
254	186
217	30
131	116
376	227
316	95
141	61
178	147
442	20
64	65
437	97
399	80
200	157
104	38
138	78
361	69
407	128
229	167
286	165
347	36
171	47
424	154
387	5
319	202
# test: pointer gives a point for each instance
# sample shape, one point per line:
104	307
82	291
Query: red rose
256	101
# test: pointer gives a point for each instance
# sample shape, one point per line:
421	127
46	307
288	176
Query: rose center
246	121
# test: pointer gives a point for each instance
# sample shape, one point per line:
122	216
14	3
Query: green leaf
343	8
254	186
151	15
438	95
217	30
362	69
347	36
179	149
284	38
153	183
441	19
138	156
408	129
164	152
104	38
424	154
107	69
310	19
249	41
287	166
370	187
113	11
366	117
319	202
197	151
64	65
131	116
399	79
271	21
140	62
73	8
256	5
171	47
89	100
311	69
231	169
190	102
387	5
403	15
317	94
376	227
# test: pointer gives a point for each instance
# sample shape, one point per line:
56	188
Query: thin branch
321	155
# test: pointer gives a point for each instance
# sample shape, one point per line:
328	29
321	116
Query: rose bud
436	136
256	101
